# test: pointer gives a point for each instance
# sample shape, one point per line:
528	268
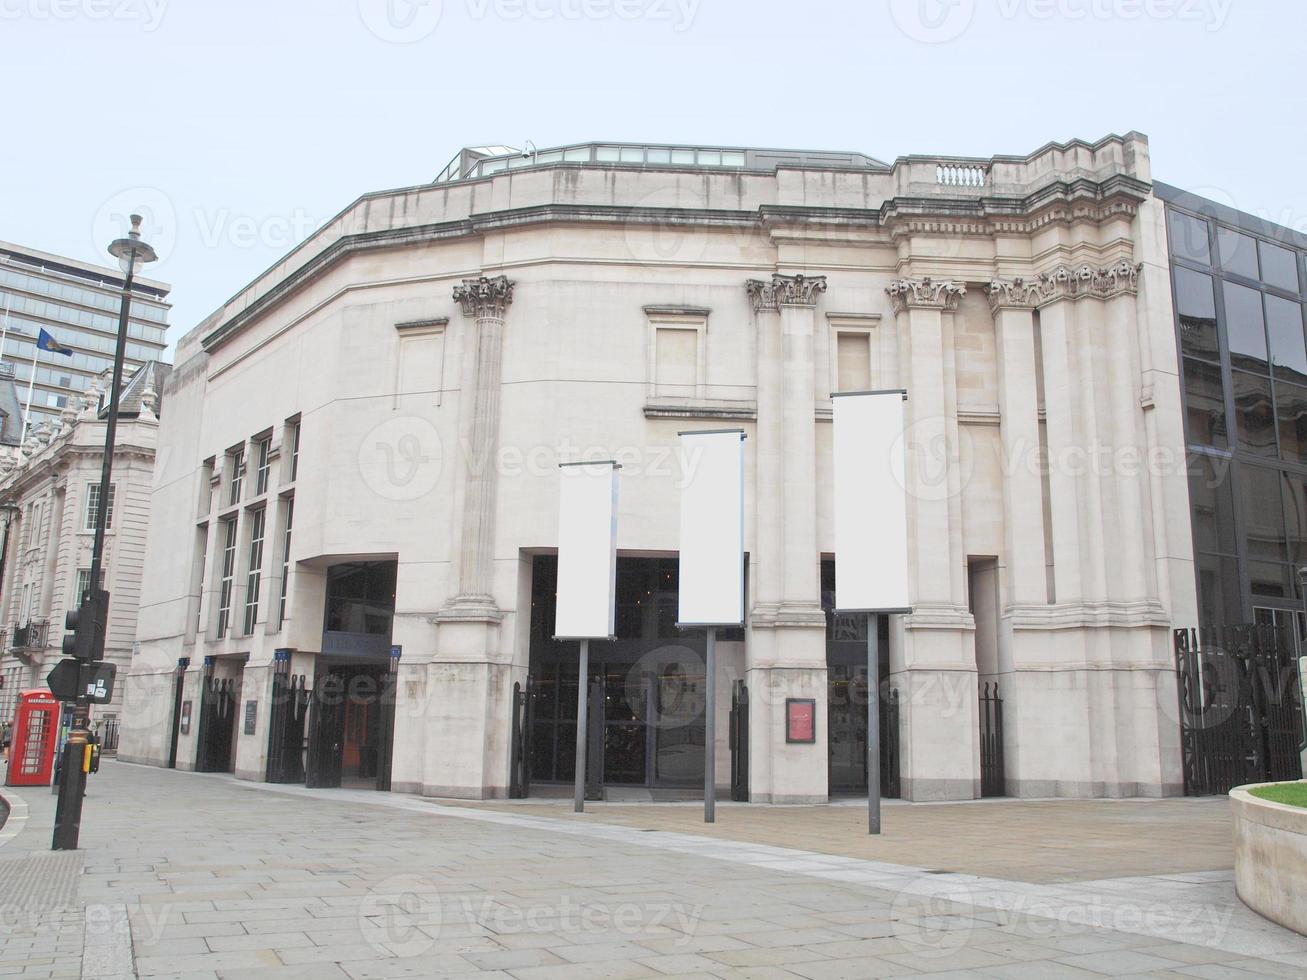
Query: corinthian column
484	301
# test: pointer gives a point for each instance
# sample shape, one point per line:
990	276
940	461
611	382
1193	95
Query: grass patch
1294	794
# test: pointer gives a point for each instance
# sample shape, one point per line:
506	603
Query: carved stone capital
485	298
927	293
1014	294
1121	279
785	291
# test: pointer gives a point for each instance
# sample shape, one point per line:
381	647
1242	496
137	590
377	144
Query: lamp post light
133	254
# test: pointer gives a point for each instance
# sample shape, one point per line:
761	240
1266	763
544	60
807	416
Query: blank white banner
587	551
712	529
871	505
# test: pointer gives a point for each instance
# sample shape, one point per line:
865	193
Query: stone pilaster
937	675
786	654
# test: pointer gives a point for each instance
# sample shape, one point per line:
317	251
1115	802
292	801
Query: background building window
294	439
92	513
853	361
676	372
80	586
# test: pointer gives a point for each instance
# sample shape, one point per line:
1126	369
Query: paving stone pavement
189	875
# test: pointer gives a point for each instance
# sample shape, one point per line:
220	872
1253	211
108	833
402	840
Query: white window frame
263	466
227	576
254	568
285	560
89	512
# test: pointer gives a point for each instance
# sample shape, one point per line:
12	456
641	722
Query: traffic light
86	627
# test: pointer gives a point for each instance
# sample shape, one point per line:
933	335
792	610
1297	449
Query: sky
238	126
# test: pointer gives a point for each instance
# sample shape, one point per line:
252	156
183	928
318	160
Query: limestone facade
436	351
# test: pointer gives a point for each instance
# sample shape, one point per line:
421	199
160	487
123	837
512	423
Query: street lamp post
132	254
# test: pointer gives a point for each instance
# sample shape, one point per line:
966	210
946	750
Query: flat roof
93	275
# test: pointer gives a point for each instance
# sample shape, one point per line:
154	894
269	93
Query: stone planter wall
1270	858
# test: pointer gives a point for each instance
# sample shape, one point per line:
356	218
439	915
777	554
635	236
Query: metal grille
1240	713
993	771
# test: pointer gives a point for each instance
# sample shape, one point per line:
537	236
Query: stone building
49	492
357	481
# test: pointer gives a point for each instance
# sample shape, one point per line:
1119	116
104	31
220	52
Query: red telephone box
36	726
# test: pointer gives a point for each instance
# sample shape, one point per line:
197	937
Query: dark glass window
1291	420
1218	590
1263	513
1284	324
1189	238
1205	404
361	598
1238	252
1295	518
1245	327
1253	415
1197	309
1270	579
1212	500
1279	266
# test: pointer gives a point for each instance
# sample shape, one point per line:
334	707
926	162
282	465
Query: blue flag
46	342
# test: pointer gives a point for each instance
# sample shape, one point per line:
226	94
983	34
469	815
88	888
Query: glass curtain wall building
78	305
1240	288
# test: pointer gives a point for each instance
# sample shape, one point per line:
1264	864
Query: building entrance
846	672
346	734
647	688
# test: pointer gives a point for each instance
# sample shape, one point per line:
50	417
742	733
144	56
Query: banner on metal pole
587	550
712	528
871	507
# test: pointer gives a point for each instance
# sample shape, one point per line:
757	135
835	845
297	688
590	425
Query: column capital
1085	282
485	298
785	291
1014	294
927	293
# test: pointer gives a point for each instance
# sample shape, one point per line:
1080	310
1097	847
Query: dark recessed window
1212	501
1279	266
1189	238
1197	310
1263	513
1245	328
1291	419
1205	404
1284	325
1295	518
1253	415
1238	252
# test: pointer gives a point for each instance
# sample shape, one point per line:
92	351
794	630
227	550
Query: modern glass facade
78	305
1240	286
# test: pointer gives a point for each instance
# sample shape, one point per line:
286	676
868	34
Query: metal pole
68	811
873	723
710	732
582	704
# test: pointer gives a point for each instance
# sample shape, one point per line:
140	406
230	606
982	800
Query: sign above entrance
871	513
712	528
587	551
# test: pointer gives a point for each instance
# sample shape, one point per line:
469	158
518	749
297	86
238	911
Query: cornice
785	291
1063	201
485	298
927	293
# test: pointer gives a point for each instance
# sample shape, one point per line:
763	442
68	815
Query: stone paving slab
206	876
1031	840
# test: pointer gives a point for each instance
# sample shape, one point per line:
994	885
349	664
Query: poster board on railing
587	550
712	528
